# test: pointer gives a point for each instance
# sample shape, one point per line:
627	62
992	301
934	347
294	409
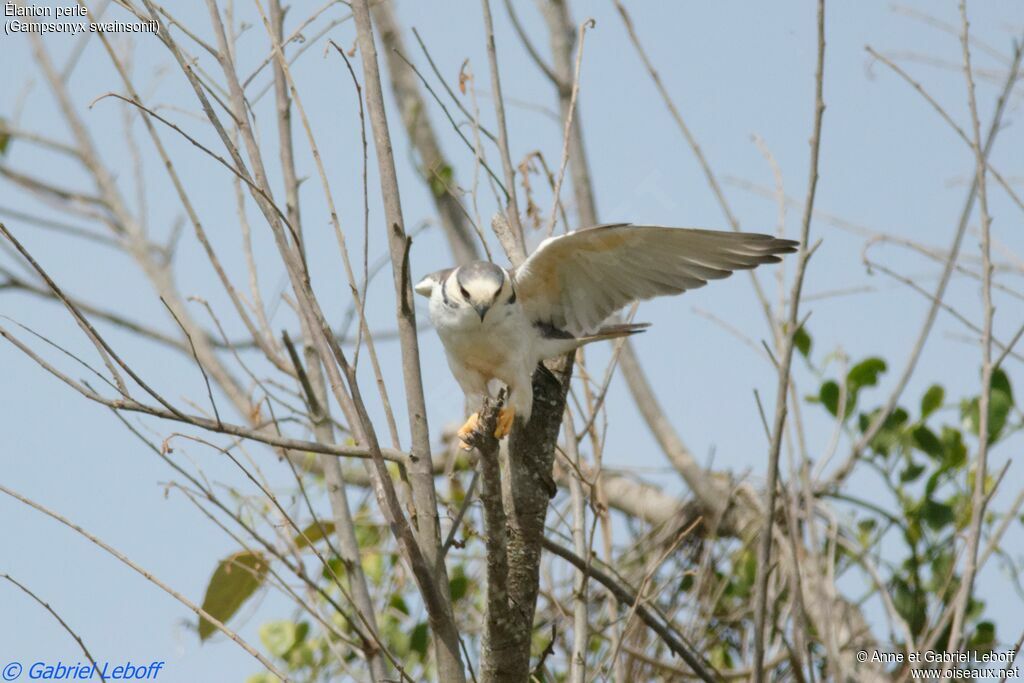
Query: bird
496	324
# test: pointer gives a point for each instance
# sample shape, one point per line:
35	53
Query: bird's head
479	285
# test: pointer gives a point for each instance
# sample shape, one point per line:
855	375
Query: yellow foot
467	429
505	418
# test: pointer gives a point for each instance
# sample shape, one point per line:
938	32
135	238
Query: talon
505	418
465	430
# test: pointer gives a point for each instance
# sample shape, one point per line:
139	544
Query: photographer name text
82	671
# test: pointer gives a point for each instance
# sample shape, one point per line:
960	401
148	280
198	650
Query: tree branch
785	363
449	658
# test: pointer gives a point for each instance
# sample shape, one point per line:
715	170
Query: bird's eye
512	299
465	294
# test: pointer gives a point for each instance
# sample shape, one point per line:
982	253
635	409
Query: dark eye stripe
512	299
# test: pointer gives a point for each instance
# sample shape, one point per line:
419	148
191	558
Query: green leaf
418	639
367	535
974	609
397	603
911	472
989	484
373	566
279	637
969	411
892	434
984	637
942	568
313	533
458	585
910	603
937	515
927	442
287	641
865	373
1001	383
963	504
913	530
953	448
829	396
5	137
999	407
745	573
1000	403
865	529
334	569
932	400
300	654
441	180
233	582
396	635
802	340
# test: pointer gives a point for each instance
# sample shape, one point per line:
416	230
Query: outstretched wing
575	281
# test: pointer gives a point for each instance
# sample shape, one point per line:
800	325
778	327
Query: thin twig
461	514
1014	68
512	210
431	575
206	378
448	115
691	141
878	422
978	496
106	352
149	576
788	344
566	137
95	667
628	598
437	72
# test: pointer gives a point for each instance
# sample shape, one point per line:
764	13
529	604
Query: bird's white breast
498	347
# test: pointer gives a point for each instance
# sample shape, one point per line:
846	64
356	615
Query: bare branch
499	627
436	168
567	136
785	365
512	209
449	659
64	624
979	496
926	327
629	598
150	577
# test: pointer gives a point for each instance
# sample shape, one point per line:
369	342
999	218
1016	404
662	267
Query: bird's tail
614	332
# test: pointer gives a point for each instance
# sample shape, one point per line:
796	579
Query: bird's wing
575	281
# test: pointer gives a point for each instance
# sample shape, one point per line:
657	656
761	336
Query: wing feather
574	282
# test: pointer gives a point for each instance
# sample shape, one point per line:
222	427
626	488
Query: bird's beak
481	310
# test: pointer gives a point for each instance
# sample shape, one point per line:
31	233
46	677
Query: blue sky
888	162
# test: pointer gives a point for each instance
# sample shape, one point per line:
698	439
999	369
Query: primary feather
575	281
